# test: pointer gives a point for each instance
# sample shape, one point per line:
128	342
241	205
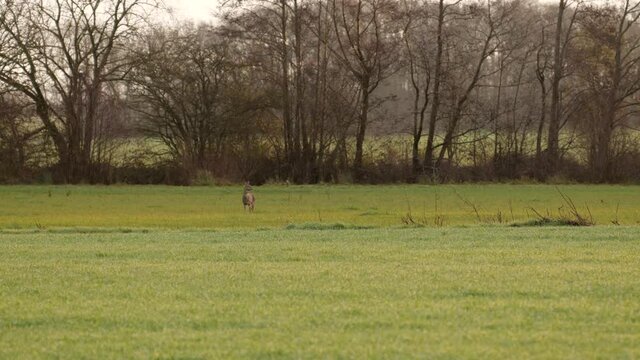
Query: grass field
479	292
183	273
28	207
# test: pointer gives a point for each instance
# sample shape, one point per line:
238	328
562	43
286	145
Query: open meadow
124	207
184	273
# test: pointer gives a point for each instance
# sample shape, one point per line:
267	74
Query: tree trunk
286	106
447	144
553	151
543	117
605	130
358	170
602	161
435	105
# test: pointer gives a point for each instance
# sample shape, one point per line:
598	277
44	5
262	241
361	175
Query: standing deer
248	199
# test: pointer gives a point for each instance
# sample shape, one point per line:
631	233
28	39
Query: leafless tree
18	137
418	36
293	90
494	21
367	36
610	52
61	54
565	21
184	89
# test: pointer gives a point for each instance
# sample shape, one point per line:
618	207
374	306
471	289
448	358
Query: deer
248	199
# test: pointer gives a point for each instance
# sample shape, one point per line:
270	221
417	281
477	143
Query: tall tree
494	20
61	54
185	90
366	36
562	39
418	54
611	64
442	14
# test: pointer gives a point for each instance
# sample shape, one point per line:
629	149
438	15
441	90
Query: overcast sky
202	10
193	9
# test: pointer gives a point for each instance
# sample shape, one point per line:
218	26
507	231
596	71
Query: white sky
199	10
202	10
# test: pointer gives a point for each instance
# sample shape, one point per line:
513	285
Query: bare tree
562	40
611	70
418	54
18	137
61	54
367	34
543	59
185	90
292	90
494	21
445	9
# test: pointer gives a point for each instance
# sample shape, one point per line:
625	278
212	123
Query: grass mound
320	226
74	230
551	222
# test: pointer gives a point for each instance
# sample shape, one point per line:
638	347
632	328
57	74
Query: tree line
368	91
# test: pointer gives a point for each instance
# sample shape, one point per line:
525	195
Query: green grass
118	207
317	272
477	292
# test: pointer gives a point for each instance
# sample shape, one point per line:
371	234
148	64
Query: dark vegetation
368	91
